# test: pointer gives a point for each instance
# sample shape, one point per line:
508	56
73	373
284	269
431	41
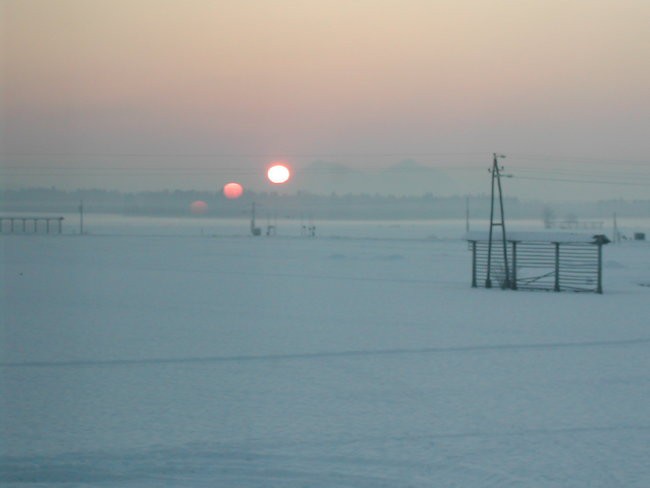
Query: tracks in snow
551	346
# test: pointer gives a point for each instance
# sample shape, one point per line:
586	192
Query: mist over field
178	203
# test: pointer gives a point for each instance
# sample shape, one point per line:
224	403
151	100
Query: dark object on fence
639	236
541	261
12	227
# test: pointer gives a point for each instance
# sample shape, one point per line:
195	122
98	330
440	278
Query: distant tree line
302	205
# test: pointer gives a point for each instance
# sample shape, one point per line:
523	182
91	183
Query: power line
265	156
531	157
575	180
579	159
561	173
578	171
528	174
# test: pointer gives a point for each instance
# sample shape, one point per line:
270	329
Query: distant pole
615	234
466	214
81	217
256	231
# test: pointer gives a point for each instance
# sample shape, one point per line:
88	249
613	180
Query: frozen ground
361	358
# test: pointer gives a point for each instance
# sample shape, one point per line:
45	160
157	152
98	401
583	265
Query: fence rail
555	266
30	225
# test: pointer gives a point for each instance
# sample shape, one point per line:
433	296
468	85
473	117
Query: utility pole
466	214
496	178
256	231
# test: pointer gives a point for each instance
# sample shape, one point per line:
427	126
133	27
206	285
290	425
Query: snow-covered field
196	355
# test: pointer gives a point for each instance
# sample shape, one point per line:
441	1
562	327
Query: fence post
473	264
557	266
599	286
514	265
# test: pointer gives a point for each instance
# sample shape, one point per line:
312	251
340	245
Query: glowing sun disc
199	207
233	190
278	173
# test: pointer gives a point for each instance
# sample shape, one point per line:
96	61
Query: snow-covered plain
195	355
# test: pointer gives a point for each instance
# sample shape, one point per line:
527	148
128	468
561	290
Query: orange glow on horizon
199	207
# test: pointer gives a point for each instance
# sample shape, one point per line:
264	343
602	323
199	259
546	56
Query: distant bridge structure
31	225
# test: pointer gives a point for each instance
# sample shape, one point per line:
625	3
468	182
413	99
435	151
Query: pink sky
363	83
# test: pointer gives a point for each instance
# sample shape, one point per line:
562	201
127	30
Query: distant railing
30	225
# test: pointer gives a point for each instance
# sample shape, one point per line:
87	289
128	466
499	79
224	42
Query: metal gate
573	265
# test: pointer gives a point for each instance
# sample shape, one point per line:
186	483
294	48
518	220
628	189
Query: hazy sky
193	93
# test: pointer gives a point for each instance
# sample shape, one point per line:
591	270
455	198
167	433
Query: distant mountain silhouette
407	177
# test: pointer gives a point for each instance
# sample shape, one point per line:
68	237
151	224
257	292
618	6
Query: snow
196	355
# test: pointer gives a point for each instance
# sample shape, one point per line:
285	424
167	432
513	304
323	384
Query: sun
278	173
199	207
233	190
